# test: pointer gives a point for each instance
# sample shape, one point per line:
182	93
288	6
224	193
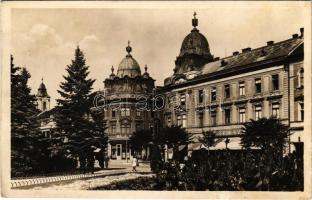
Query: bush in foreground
141	183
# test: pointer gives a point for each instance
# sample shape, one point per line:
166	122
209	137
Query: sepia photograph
112	97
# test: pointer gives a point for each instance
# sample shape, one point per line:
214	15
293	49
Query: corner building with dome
207	93
125	93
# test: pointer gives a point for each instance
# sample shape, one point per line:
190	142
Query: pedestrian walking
134	164
106	160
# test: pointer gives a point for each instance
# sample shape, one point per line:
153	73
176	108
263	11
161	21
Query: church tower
43	99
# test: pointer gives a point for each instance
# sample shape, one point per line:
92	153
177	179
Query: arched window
125	129
300	78
44	106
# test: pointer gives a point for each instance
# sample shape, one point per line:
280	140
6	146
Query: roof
42	91
47	113
128	67
247	57
195	43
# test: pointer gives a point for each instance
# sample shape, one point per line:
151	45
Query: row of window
275	112
227	89
125	128
275	85
125	112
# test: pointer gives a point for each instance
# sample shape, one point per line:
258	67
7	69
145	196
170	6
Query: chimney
269	43
246	50
223	62
301	32
216	58
263	52
295	35
235	53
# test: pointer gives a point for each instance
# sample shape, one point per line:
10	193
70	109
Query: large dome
195	43
194	52
128	66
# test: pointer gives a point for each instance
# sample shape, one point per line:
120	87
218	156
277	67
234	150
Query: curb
37	181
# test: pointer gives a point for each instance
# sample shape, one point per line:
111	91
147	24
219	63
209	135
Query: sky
44	40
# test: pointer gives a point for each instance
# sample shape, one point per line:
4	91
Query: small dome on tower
128	65
42	90
195	42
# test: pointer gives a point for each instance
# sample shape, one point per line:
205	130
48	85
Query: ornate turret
146	74
112	74
124	112
128	66
194	52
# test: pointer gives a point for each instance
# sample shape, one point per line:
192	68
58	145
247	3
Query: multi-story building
220	94
204	93
126	111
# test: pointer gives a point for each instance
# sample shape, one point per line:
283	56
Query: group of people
87	161
233	171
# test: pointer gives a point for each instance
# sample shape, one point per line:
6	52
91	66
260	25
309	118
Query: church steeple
43	99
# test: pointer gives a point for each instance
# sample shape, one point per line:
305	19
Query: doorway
118	151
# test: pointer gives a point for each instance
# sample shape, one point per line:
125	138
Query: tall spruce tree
24	125
73	108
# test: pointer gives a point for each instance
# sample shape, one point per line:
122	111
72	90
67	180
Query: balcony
257	97
214	103
276	94
118	136
179	108
232	130
227	101
241	100
296	125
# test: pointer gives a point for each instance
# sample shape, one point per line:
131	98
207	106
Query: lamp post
127	149
227	141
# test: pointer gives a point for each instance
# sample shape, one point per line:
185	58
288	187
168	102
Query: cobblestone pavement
119	170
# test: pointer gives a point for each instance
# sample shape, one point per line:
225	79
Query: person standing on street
106	159
134	164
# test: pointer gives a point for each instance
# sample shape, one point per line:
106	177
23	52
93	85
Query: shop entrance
118	151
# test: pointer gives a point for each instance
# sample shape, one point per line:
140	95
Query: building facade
205	93
220	94
126	95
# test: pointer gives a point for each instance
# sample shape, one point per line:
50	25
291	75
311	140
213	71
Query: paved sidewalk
116	168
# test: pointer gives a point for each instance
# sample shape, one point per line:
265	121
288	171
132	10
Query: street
118	171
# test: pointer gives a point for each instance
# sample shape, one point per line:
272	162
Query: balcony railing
220	130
